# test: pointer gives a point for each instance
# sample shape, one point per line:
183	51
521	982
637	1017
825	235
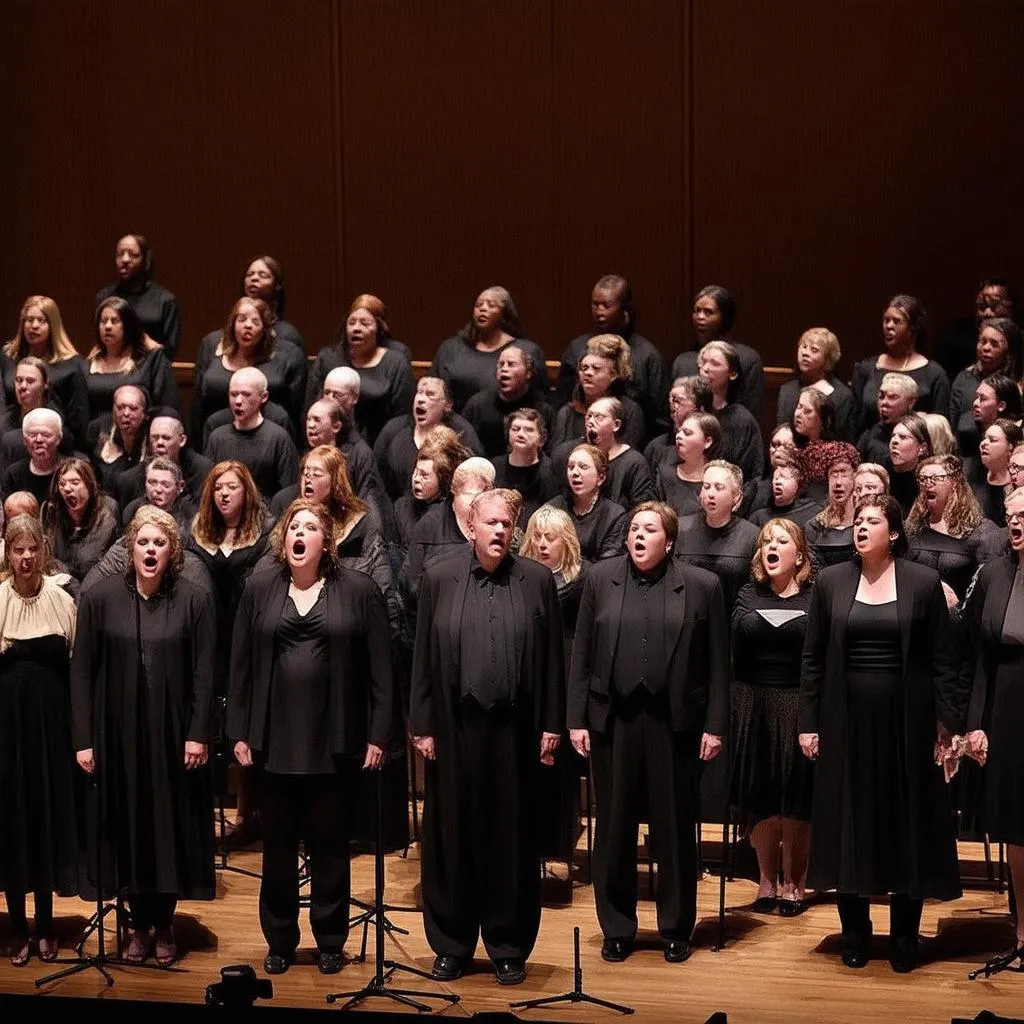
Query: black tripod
577	995
100	961
222	759
384	969
1002	962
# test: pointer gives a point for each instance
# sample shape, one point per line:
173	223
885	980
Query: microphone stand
222	758
384	968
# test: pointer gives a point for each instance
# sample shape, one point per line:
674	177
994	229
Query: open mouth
307	490
299	548
1017	535
772	559
592	436
149	561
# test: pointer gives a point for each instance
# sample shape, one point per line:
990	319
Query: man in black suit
648	699
488	692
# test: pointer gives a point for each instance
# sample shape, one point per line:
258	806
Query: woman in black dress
125	354
311	700
817	355
431	481
996	615
526	468
698	441
687	396
879	671
41	333
39	852
771	785
909	444
81	522
996	397
386	382
263	278
830	533
600	523
629	479
990	476
790	499
141	710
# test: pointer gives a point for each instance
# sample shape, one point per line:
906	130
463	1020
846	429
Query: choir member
310	699
466	361
431	479
342	386
141	703
716	538
688	395
713	317
814	436
262	446
154	306
742	445
830	533
903	333
789	495
247	340
81	522
998	351
879	662
263	278
771	784
897	395
991	479
629	478
817	356
613	311
125	354
41	334
118	443
39	852
909	444
488	694
165	488
957	345
758	492
945	527
698	441
400	439
995	397
996	616
526	468
31	391
167	439
43	431
1016	466
599	522
604	371
648	697
487	410
940	434
386	383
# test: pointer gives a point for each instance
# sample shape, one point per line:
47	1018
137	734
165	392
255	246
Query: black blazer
359	661
698	629
537	621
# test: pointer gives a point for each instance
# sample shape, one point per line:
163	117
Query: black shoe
792	908
329	963
903	956
274	964
677	950
764	905
616	950
511	971
447	968
855	950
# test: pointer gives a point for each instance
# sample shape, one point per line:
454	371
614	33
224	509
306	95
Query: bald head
342	386
323	422
246	393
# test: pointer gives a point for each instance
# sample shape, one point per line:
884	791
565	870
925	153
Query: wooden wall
812	157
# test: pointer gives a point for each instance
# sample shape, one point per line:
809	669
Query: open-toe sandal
21	956
48	948
166	947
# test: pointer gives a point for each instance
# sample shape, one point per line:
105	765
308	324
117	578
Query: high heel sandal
23	955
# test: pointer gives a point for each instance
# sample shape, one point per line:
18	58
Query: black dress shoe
903	956
792	908
274	964
329	963
447	968
511	971
855	950
616	950
677	950
764	905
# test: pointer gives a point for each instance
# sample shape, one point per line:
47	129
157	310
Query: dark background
812	157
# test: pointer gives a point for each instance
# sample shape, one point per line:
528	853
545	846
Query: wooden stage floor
772	970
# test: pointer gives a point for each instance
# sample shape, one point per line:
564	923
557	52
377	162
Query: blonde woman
817	356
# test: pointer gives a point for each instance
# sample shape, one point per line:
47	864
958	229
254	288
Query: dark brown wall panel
202	125
446	116
619	87
844	152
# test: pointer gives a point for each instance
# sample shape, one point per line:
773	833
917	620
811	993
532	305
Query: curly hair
150	515
805	564
613	348
962	512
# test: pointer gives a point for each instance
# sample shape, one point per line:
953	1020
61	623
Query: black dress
961	412
682	495
38	774
601	532
801	512
829	545
725	551
742	444
467	370
153	373
156	308
932	388
843	402
629	479
396	450
956	559
536	484
770	775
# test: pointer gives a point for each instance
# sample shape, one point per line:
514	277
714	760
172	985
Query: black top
267	451
682	495
902	486
932	388
873	638
800	512
873	444
641	654
661	449
487	658
194	467
437	534
396	451
570	423
828	545
19	477
537	483
742	444
67	390
629	479
408	512
283	331
82	549
156	308
601	532
223	418
153	372
486	411
183	510
725	551
957	345
297	738
751	379
768	635
842	399
961	412
467	370
956	559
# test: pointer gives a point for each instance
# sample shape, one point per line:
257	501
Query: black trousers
316	808
640	765
904	919
19	918
151	909
480	867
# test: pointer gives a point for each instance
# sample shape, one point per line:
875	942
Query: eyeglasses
1015	518
1016	468
933	478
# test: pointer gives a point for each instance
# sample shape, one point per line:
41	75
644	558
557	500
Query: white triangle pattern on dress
778	616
